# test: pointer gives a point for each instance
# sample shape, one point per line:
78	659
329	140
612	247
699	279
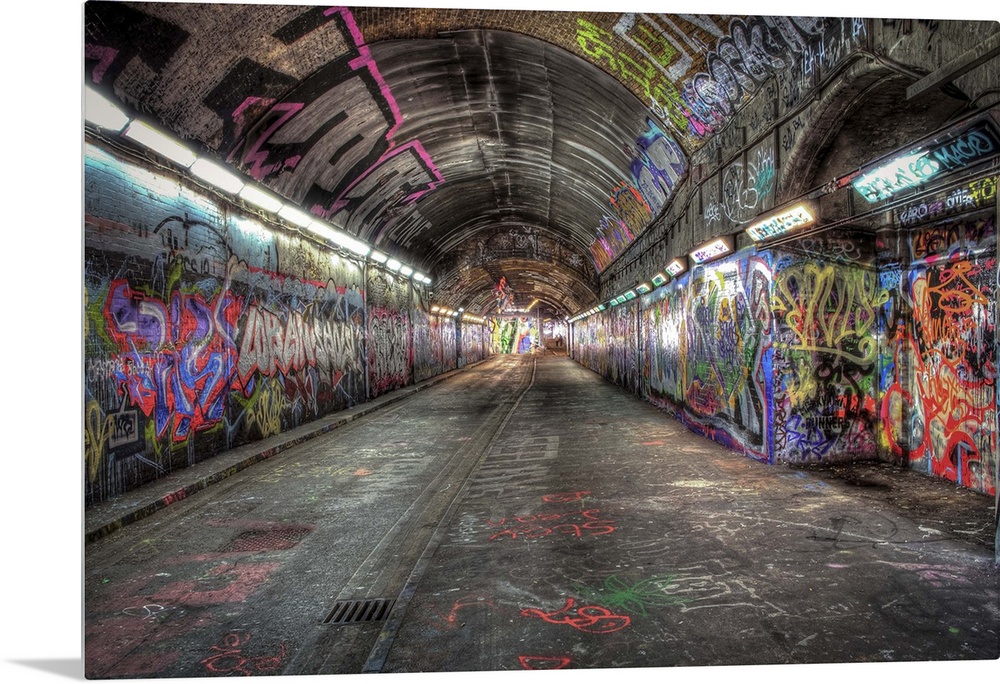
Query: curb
144	510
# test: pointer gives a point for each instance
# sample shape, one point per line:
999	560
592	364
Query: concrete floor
526	514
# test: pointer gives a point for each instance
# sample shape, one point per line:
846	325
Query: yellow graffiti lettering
830	310
96	431
267	408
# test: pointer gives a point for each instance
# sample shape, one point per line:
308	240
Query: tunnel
424	339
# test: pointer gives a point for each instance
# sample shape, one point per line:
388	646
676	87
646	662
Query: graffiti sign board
973	144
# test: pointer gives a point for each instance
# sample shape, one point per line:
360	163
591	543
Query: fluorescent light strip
146	135
296	216
358	247
217	175
100	111
103	113
712	249
677	266
260	199
322	230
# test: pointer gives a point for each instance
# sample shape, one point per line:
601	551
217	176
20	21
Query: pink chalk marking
565	497
243	580
544	662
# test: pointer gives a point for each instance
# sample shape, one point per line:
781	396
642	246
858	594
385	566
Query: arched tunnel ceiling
418	130
434	133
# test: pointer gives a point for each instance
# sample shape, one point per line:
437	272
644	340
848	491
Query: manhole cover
276	538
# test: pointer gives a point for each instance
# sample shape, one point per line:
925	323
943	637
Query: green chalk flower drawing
636	598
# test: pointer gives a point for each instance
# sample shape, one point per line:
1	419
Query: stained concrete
526	514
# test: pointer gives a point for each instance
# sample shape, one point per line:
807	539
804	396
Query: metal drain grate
360	610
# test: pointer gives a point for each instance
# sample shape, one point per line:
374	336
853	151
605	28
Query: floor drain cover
360	610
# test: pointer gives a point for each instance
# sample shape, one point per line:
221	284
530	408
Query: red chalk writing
565	497
544	662
227	657
575	523
452	618
593	619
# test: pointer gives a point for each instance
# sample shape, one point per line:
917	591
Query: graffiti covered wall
205	328
473	342
388	331
940	376
827	326
513	334
707	344
435	343
608	344
810	354
746	351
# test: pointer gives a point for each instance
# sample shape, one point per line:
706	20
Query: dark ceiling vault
475	144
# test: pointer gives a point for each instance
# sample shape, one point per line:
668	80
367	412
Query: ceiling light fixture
217	175
296	216
260	199
677	266
713	249
158	142
101	112
780	223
